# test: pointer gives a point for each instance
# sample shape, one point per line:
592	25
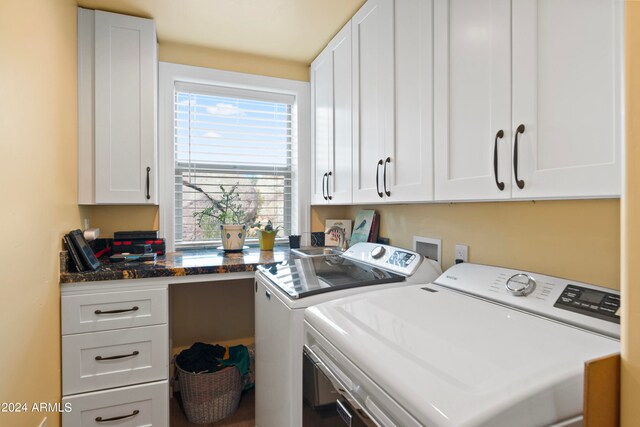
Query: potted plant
229	214
266	235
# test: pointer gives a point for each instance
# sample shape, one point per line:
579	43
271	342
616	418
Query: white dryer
482	346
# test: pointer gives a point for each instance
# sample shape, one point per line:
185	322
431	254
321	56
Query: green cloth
238	356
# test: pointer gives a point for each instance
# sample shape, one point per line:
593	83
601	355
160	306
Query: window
228	141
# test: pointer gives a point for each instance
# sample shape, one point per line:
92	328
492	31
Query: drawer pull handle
121	417
134	308
121	356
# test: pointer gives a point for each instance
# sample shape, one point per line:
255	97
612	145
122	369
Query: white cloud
224	110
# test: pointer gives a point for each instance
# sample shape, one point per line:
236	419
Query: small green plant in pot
229	214
266	235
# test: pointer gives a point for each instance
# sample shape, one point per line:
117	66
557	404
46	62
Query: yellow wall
630	411
233	61
577	239
38	171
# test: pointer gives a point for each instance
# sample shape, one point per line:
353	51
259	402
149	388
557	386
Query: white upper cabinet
321	74
393	101
331	112
567	80
472	99
373	105
528	99
410	168
117	89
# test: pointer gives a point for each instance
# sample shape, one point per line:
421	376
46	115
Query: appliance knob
521	285
377	252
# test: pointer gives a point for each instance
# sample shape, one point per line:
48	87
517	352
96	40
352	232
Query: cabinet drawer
147	404
117	358
113	310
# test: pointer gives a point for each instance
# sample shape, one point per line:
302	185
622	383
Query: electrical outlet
462	253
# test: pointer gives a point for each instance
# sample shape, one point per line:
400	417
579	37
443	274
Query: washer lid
454	360
303	277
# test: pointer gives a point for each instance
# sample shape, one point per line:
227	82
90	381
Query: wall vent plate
429	247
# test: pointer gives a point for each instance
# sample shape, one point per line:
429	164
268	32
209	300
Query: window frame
169	74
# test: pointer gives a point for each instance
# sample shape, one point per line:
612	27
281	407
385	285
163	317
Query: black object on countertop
294	241
135	235
84	252
317	238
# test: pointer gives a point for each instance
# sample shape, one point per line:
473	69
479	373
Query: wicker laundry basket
209	397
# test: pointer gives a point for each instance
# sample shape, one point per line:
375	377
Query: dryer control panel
591	302
584	305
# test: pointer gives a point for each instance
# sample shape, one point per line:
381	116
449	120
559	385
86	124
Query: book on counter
363	227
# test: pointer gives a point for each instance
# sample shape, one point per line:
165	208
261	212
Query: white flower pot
233	236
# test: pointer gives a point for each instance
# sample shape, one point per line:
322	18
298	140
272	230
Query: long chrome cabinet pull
120	356
148	172
328	195
499	184
121	417
134	308
384	176
519	182
324	195
380	194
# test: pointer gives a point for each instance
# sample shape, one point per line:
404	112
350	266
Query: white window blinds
231	145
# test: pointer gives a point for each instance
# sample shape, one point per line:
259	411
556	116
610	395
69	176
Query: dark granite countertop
184	263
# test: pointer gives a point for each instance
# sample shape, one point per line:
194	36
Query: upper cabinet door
340	153
322	106
331	107
409	157
472	99
567	71
373	104
125	109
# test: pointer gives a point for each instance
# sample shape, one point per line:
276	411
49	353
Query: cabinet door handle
121	417
324	195
267	294
148	172
384	176
380	194
328	195
499	184
120	356
134	308
519	182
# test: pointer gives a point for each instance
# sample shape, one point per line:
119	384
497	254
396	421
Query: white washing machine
481	346
283	291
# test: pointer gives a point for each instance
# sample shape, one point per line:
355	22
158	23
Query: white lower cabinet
113	310
134	406
107	359
114	370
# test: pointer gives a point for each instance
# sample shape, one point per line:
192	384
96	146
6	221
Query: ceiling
294	30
